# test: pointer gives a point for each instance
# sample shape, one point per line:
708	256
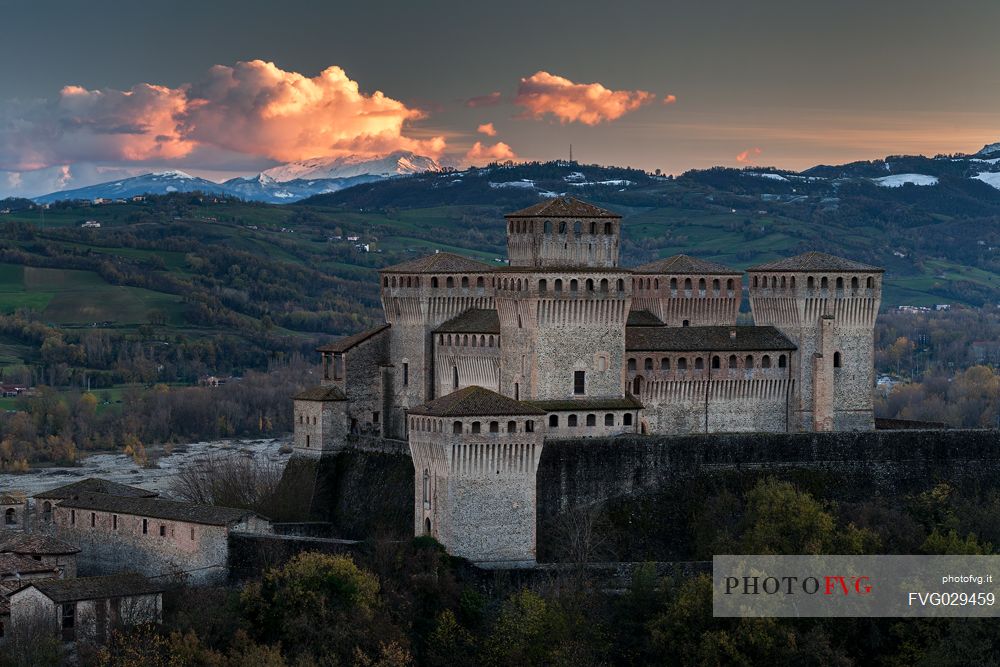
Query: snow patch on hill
989	178
898	180
399	163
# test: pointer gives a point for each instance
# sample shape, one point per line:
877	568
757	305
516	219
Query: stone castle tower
827	306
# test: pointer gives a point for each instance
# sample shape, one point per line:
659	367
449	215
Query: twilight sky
92	91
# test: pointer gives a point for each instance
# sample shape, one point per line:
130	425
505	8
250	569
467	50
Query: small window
579	382
732	361
456	427
308	441
494	427
10	517
782	361
686	323
631	364
699	364
512	427
406	374
465	282
810	282
648	364
836	359
665	364
716	362
673	284
870	283
553	421
765	361
840	283
543	286
573	285
114	522
163	530
529	426
375	417
591	420
192	532
609	419
571	421
682	364
145	526
824	283
748	363
72	517
454	377
476	427
627	419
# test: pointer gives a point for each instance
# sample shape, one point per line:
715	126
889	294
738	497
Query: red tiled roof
815	261
563	207
440	262
347	342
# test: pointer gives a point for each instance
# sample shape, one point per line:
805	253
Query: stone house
599	349
13	511
88	608
46	501
42	548
154	536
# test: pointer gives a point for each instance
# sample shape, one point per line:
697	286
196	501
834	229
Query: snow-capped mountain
990	149
400	163
157	183
264	188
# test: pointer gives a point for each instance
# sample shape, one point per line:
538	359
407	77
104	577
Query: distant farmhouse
477	364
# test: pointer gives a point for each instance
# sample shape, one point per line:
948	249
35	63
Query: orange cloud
487	129
588	103
497	152
670	99
748	154
490	100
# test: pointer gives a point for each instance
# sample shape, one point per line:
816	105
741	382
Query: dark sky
786	83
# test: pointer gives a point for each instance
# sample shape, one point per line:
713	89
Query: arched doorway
427	526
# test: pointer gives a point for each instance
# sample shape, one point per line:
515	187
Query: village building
41	548
566	340
13	512
88	608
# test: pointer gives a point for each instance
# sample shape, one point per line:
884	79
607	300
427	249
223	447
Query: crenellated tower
827	306
687	291
562	303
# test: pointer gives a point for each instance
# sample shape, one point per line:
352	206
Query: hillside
184	285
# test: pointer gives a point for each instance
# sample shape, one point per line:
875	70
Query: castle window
607	228
782	361
465	282
434	282
145	526
602	363
656	283
562	227
699	364
631	364
621	285
687	286
590	284
810	282
716	362
591	421
765	361
648	364
394	281
701	287
870	282
529	426
755	281
548	227
465	340
748	363
456	427
604	285
840	283
476	427
730	286
454	377
763	282
72	518
385	281
301	418
637	385
686	323
491	341
517	391
449	282
494	427
627	419
553	421
673	284
474	341
427	488
791	282
854	282
732	361
558	285
577	227
609	419
593	228
416	281
824	283
114	522
571	421
682	364
375	417
715	287
665	364
163	530
406	374
784	282
573	285
512	427
93	518
836	359
480	284
579	382
543	286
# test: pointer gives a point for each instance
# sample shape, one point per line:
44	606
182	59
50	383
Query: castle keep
476	365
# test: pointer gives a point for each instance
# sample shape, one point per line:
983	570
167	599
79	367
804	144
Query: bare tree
229	481
32	642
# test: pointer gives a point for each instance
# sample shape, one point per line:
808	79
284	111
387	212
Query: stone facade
600	350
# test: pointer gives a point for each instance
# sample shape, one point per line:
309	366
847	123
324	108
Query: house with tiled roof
476	365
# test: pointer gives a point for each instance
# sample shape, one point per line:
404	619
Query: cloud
588	103
480	153
748	155
491	100
253	108
670	99
487	129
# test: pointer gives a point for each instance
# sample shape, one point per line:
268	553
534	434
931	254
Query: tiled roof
320	394
685	264
474	402
643	318
94	588
815	261
34	544
705	339
12	498
628	402
96	485
347	342
474	320
14	564
440	262
158	508
563	207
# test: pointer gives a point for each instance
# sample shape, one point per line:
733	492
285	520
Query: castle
476	365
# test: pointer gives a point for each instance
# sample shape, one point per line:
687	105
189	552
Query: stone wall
689	300
474	359
759	405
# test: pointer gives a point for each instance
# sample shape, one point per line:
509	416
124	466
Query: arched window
732	361
763	282
810	282
465	340
512	427
621	285
765	361
476	427
701	286
558	285
637	385
456	427
682	364
553	421
548	227
577	227
699	364
480	283
573	285
562	227
840	283
571	421
755	281
591	420
543	286
517	391
593	228
627	419
792	282
590	284
782	361
673	284
748	362
836	359
449	282
454	377
687	284
609	419
427	526
870	282
824	283
686	323
385	281
854	283
716	362
394	281
529	426
10	517
656	283
631	364
715	287
648	364
604	285
607	227
665	364
730	286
